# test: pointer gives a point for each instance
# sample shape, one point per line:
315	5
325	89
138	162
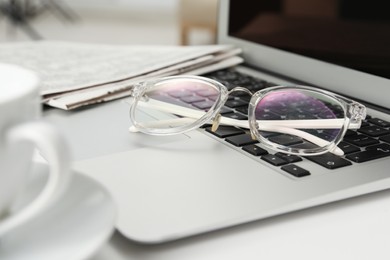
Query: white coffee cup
20	132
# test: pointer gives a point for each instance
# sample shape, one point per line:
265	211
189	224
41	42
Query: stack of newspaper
78	74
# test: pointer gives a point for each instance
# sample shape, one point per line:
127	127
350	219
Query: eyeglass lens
300	105
189	93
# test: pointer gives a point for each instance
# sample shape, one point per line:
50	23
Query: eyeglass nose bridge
240	89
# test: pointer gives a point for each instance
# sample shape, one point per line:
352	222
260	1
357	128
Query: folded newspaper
78	74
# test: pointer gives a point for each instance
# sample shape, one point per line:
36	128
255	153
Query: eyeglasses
297	120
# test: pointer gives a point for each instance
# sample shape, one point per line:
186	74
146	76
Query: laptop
168	188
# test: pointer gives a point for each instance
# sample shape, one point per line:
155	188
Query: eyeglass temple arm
280	129
193	113
281	126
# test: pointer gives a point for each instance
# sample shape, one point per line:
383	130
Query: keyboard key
180	93
305	145
361	140
267	116
243	110
215	97
374	131
384	147
379	122
258	85
295	170
370	154
226	74
243	80
289	157
274	159
348	148
225	110
192	99
241	140
350	132
385	138
235	103
365	123
203	105
254	150
285	139
239	95
235	116
329	161
206	92
225	131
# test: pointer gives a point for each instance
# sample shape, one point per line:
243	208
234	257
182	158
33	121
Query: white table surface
357	228
353	229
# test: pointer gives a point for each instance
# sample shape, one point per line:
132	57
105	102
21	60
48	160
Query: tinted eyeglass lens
191	93
300	105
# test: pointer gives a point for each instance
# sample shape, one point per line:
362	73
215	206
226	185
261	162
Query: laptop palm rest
102	130
178	189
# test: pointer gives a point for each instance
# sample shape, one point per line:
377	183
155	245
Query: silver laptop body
167	188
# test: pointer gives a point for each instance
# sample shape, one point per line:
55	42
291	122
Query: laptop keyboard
370	142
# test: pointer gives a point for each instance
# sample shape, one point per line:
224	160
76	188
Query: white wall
146	4
135	5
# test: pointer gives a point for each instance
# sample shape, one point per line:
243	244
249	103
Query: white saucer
74	228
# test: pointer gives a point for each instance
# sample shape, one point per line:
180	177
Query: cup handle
54	149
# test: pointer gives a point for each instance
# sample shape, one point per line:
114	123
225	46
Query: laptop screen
339	45
350	33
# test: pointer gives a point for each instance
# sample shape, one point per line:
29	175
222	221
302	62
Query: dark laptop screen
351	33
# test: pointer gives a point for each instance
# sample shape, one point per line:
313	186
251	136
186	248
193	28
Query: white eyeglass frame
354	113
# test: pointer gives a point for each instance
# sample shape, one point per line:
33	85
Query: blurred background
161	22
